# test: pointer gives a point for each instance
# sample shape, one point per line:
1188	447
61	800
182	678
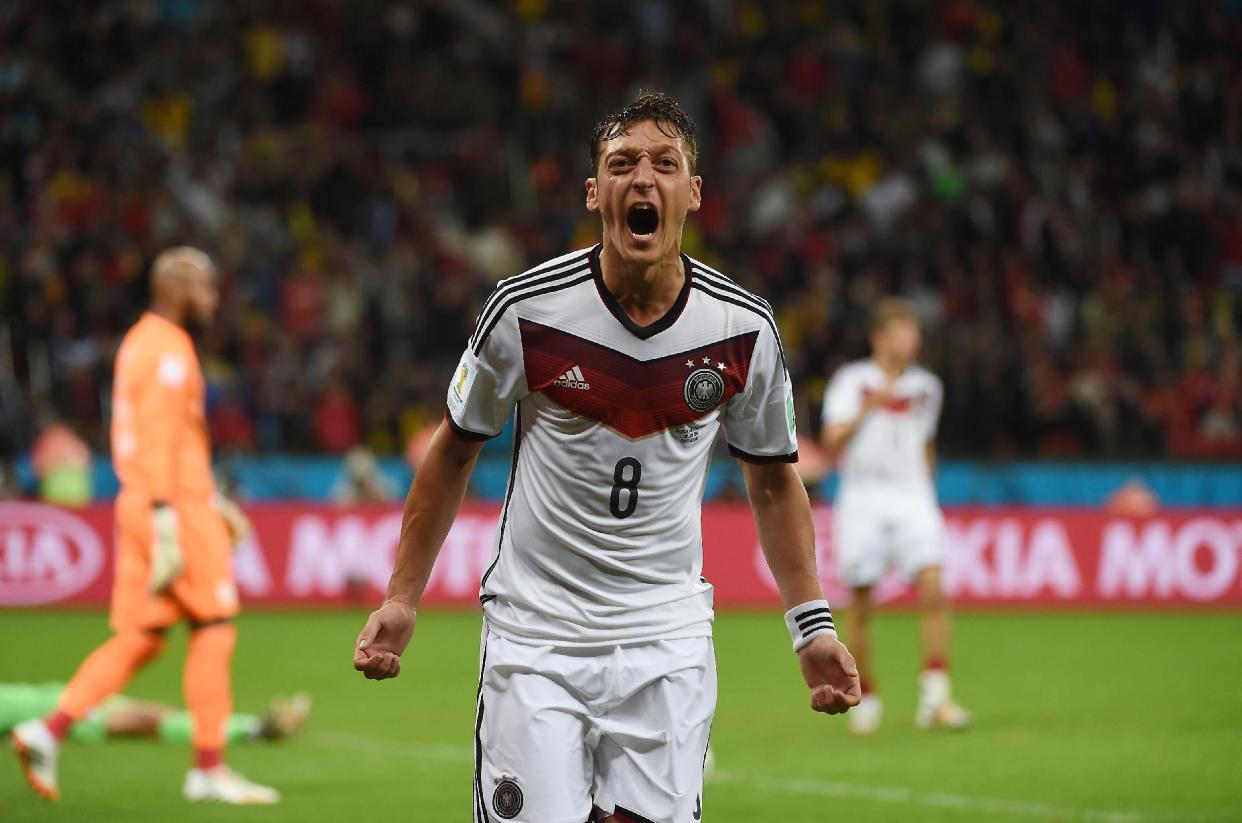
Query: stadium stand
1076	257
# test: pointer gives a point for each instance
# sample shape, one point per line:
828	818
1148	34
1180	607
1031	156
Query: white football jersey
600	540
889	446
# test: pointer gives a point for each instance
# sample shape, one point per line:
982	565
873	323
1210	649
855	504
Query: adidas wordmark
573	379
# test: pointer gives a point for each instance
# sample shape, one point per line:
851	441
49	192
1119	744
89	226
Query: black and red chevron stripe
636	398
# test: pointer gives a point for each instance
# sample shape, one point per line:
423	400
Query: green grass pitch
1114	718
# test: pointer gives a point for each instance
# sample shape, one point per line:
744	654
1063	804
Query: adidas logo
573	379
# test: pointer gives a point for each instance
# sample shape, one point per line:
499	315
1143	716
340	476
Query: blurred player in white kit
880	416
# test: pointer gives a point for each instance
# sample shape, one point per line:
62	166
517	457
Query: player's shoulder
720	287
549	271
925	376
543	278
548	278
151	335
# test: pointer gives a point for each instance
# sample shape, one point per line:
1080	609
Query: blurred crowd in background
1056	186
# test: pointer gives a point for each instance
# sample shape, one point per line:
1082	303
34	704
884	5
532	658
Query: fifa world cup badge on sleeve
789	409
459	389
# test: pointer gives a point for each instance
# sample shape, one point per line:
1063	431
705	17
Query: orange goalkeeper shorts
203	592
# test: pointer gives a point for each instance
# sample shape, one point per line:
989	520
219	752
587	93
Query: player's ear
592	195
696	193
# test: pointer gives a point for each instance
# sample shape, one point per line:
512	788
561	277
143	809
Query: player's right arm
489	380
433	502
846	406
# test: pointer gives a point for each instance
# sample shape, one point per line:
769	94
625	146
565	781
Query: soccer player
120	716
173	540
881	415
598	681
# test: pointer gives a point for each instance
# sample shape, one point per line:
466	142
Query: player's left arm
782	513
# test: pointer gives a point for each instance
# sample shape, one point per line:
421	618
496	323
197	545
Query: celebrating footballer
620	364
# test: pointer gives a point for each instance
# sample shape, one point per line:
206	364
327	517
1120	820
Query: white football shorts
875	531
623	729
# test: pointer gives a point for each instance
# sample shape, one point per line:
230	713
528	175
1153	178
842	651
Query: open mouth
642	219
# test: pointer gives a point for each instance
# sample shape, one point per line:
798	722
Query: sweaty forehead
644	136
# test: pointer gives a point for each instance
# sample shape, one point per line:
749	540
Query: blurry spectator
361	480
814	464
10	485
62	463
232	428
336	420
418	443
1133	499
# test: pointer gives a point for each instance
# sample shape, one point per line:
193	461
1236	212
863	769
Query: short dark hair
668	115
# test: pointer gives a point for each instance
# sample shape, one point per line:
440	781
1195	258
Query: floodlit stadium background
1056	186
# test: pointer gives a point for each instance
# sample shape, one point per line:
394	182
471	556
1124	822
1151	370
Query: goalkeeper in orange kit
174	540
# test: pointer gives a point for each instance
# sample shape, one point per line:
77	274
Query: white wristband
809	620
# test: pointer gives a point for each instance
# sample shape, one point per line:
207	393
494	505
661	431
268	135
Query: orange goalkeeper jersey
160	445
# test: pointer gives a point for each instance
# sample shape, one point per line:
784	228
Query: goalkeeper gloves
235	519
166	560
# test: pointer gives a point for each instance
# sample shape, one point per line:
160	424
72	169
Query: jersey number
621	483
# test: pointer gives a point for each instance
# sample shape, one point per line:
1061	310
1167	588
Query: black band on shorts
626	816
195	625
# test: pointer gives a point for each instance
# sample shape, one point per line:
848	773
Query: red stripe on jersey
897	405
636	398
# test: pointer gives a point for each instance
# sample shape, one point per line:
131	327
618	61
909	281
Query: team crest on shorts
507	799
703	389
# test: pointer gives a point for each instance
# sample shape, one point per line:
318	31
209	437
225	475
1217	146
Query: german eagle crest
703	389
